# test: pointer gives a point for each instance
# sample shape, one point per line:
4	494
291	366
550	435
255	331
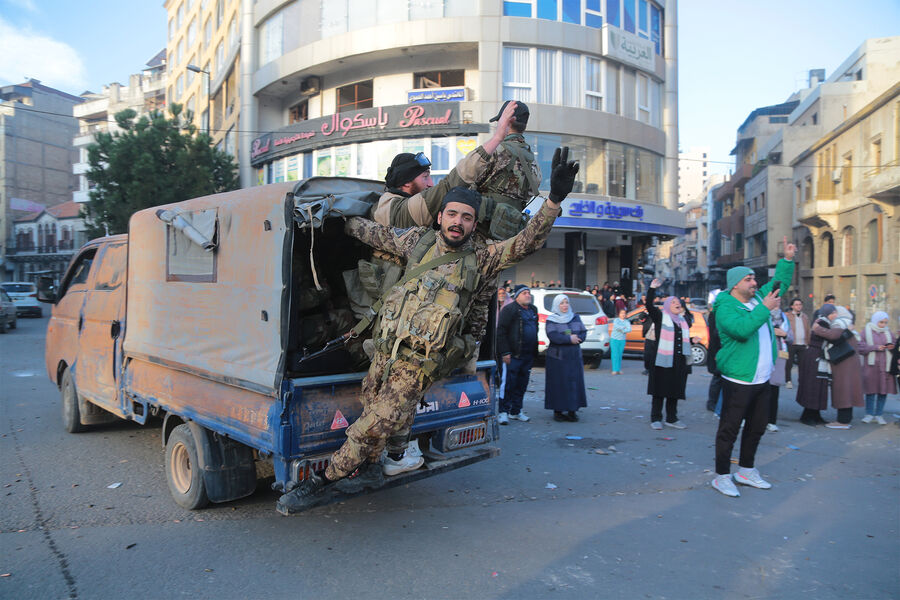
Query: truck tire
71	414
183	472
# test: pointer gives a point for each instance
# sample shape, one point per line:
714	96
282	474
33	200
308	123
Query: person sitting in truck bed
418	336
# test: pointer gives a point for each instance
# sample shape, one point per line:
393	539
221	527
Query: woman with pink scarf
671	362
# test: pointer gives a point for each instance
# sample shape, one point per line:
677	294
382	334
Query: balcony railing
61	246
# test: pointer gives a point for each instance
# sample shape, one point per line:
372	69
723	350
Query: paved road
637	522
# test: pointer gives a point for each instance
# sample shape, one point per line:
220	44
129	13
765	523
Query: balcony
741	176
820	212
63	246
882	183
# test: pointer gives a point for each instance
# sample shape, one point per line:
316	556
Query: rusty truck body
200	317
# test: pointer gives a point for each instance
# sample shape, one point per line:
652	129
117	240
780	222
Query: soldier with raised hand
419	331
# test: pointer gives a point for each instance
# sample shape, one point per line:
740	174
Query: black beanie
463	195
403	169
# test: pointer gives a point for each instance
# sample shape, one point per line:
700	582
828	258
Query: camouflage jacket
512	173
492	256
396	210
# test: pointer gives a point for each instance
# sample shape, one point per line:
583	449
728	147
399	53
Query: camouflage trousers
389	408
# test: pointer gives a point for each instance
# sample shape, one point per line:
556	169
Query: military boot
308	494
367	476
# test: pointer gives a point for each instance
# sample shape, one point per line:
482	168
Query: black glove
562	175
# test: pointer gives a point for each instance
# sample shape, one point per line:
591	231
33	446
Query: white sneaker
407	463
503	418
789	385
413	449
724	484
772	427
868	419
676	425
837	425
751	477
656	425
520	417
880	420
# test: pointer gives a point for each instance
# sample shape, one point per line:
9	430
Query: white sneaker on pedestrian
724	484
503	418
789	385
407	463
837	425
520	417
868	419
751	477
413	449
880	420
772	427
676	425
656	425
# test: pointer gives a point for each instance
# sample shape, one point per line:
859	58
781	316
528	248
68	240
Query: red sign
464	401
339	421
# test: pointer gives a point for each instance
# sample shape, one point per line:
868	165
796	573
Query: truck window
111	271
77	275
186	260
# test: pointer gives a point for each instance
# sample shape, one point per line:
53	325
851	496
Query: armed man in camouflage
418	336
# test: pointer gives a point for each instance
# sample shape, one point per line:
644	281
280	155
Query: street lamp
197	69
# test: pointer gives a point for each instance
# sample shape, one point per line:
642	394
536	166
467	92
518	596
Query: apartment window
220	57
815	119
847	173
180	18
593	14
171	29
762	200
179	87
613	12
807	188
191	105
271	38
656	27
593	83
612	88
873	236
355	96
876	155
190	74
438	79
298	113
847	240
546	64
232	33
629	15
828	244
220	13
517	79
571	79
179	55
643	98
207	32
192	32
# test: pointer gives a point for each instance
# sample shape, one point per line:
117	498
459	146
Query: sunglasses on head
422	160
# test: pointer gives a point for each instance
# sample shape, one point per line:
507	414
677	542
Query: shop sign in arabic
629	48
592	208
454	94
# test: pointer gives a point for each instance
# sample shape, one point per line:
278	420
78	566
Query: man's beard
456	243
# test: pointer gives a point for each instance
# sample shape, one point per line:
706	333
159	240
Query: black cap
463	195
404	168
520	115
519	289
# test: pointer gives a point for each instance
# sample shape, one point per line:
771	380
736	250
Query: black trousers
845	415
518	371
773	404
715	388
795	351
740	402
656	406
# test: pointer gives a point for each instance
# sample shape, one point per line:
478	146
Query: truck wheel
183	469
70	413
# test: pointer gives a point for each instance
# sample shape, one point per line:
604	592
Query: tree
153	160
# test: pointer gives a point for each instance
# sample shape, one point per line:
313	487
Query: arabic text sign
593	208
629	48
454	94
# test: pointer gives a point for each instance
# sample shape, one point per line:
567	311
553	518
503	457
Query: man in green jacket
746	361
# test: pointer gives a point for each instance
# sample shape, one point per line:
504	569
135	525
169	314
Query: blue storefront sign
455	94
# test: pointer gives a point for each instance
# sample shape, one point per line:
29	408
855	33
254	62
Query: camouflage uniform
389	403
512	180
396	210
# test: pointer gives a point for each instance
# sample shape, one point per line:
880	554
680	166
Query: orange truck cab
211	314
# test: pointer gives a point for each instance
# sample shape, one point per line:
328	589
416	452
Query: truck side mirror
46	291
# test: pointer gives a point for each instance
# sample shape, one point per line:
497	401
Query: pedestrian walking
517	343
814	377
798	323
620	329
846	375
746	360
875	348
671	363
564	391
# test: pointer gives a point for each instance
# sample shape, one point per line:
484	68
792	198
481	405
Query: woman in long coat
671	362
564	391
875	348
812	388
846	376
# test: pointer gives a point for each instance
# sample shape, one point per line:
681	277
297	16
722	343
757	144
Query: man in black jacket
517	329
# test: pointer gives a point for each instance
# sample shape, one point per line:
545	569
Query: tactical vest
420	320
500	217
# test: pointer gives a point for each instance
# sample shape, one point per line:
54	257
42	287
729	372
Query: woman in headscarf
846	376
671	361
875	348
564	391
812	385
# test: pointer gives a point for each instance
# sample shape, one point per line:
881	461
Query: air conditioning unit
836	176
311	86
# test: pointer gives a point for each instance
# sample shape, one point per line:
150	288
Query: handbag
840	350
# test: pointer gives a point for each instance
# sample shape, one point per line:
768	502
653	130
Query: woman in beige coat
846	376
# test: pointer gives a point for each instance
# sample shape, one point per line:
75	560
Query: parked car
24	295
7	312
585	305
699	304
634	341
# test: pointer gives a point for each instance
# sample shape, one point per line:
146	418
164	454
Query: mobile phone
776	286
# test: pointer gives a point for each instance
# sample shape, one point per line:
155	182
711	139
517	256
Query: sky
734	55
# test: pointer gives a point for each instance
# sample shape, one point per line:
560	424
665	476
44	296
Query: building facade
145	92
693	174
338	87
36	154
45	241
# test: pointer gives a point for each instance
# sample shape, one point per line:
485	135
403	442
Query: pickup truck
211	315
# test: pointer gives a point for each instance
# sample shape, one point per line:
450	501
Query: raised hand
655	283
772	301
789	249
562	175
